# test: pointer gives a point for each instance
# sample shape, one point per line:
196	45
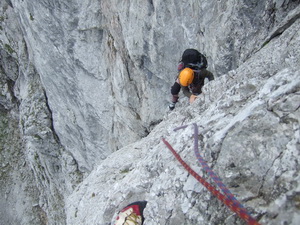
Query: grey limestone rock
84	91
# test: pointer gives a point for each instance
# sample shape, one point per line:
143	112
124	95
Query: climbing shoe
172	105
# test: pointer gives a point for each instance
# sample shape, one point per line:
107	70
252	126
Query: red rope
227	201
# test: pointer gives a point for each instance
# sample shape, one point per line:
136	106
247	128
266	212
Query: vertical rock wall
107	67
36	171
82	79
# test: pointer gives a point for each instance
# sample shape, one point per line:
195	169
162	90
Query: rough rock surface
249	130
82	81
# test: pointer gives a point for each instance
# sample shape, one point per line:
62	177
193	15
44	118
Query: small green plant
31	17
265	43
36	157
124	171
38	137
9	49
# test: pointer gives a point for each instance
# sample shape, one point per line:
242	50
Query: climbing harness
228	199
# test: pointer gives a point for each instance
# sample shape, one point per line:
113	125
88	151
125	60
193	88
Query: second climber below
192	73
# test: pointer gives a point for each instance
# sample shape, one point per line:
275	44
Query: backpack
193	59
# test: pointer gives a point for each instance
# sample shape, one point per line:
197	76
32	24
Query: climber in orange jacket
192	73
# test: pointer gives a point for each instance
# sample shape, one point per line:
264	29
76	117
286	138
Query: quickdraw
228	199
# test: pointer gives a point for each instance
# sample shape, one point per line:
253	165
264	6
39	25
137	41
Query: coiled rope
228	199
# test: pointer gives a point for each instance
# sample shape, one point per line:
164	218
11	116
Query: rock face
248	125
84	93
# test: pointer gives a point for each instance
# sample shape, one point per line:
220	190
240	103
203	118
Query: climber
192	73
132	214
